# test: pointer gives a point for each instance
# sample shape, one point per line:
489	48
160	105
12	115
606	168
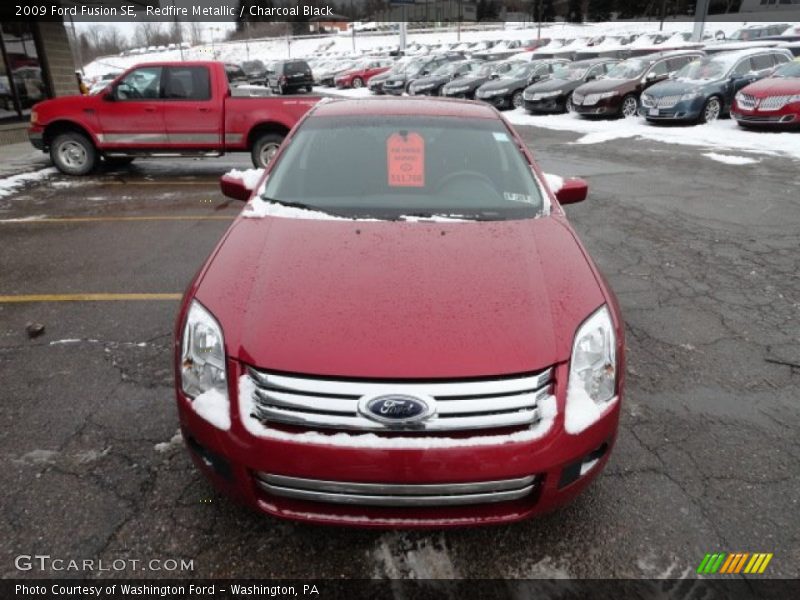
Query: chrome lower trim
459	405
388	494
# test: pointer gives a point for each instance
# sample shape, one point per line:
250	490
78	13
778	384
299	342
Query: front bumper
36	137
556	104
685	110
500	102
394	91
605	107
538	473
772	119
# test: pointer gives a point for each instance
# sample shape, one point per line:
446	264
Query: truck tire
73	153
264	148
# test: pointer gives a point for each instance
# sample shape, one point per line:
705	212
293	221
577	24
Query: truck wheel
265	148
73	153
309	89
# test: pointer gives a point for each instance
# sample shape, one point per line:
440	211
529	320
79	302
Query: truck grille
460	405
391	494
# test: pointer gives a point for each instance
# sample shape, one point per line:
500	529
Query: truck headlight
592	371
34	117
202	369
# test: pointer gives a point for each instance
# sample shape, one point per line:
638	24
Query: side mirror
720	35
235	187
494	76
650	76
574	190
110	93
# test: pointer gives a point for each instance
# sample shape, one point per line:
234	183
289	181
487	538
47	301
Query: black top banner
422	11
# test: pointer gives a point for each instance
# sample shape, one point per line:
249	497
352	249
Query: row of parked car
758	85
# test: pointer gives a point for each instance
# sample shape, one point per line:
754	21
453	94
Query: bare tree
148	33
195	33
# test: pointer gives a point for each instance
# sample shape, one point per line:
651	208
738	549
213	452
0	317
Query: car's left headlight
605	95
690	96
202	367
592	371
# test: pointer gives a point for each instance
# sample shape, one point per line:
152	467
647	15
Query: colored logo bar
732	564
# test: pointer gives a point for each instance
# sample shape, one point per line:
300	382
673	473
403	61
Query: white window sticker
523	198
501	137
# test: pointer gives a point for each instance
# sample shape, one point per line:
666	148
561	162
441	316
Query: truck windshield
394	167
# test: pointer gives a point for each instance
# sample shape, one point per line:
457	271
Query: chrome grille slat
774	102
382	494
438	423
321	403
357	389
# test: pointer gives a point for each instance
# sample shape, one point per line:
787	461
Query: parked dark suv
416	69
617	94
287	76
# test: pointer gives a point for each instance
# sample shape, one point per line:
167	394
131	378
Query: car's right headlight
592	371
202	366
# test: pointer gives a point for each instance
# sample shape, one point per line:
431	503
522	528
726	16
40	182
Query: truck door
132	114
192	117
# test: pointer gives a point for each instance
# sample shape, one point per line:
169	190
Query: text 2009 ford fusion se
401	329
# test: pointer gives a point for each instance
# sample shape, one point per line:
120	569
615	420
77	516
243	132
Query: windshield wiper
292	204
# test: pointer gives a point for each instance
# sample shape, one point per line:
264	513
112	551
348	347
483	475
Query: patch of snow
36	457
345	93
250	177
68	341
581	411
9	185
370	440
730	159
724	134
259	208
398	557
175	441
88	456
554	182
213	406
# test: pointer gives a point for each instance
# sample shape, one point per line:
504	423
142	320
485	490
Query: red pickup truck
162	109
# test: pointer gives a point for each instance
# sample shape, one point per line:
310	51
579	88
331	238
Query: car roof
671	54
404	106
743	52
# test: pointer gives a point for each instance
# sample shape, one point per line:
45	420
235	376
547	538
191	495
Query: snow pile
581	411
213	406
719	135
9	185
730	159
250	177
554	182
547	409
258	208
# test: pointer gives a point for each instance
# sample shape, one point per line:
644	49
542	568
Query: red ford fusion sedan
401	329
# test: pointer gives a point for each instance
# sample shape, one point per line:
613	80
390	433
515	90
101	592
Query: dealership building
37	63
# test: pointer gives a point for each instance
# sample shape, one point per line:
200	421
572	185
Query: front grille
758	119
774	102
746	101
392	494
649	101
459	405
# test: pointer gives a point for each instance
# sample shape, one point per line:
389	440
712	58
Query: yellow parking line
212	182
85	297
112	219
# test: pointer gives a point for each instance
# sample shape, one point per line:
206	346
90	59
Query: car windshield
705	69
791	69
572	73
447	69
295	67
745	35
520	72
630	69
391	167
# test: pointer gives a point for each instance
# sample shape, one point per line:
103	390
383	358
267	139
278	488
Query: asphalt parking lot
703	257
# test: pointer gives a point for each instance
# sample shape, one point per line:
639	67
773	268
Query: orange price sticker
405	160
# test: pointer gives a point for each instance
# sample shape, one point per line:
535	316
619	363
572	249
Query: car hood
774	86
398	299
431	80
467	82
502	83
603	85
678	87
551	85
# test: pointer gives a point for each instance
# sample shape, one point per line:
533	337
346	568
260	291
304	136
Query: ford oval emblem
397	410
